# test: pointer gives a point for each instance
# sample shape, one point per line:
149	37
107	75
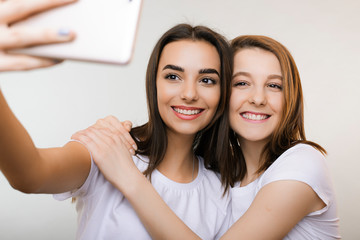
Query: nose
258	97
189	91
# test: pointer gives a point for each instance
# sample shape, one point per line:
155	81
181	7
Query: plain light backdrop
322	35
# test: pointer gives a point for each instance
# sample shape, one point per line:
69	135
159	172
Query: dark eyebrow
209	70
174	67
201	71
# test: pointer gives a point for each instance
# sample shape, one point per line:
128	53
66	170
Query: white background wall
323	36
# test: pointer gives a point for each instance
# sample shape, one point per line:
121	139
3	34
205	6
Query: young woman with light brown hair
282	187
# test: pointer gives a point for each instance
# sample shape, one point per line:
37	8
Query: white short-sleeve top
104	213
300	163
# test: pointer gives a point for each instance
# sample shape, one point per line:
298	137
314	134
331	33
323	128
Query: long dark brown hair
151	137
290	130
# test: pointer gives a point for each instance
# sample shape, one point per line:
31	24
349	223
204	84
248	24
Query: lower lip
187	117
255	121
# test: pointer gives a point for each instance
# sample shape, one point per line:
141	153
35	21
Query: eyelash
205	80
208	79
240	84
271	85
274	85
171	76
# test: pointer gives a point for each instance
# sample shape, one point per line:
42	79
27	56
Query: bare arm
109	145
27	168
276	209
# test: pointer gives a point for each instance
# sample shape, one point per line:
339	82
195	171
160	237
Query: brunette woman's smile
187	113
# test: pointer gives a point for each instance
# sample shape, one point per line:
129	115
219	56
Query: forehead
190	54
256	60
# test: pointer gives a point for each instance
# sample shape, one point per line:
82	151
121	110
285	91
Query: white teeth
256	117
187	112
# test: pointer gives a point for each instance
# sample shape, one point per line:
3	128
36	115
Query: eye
240	83
171	76
208	81
275	86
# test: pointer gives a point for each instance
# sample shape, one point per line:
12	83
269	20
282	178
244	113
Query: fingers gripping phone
105	30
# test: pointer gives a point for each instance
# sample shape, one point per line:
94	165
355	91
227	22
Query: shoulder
300	158
301	163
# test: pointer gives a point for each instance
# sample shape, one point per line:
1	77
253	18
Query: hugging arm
276	209
109	143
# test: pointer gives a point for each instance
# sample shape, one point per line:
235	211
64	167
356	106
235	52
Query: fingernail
134	146
63	32
132	151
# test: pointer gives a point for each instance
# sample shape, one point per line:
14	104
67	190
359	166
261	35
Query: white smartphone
105	30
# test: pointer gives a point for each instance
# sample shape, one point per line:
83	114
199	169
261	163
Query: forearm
19	158
159	220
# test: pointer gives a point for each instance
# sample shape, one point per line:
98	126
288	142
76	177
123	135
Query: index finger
14	10
122	129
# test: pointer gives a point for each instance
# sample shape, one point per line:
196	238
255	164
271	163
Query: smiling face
257	99
188	85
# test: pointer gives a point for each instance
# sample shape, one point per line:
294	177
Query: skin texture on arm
27	168
276	209
33	170
110	144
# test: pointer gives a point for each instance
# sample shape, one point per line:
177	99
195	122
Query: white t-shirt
104	213
300	163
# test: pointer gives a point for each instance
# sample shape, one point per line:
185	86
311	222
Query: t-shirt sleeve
305	164
85	189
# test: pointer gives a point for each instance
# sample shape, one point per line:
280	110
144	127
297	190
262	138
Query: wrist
131	183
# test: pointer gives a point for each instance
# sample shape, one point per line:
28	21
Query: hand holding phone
11	38
105	30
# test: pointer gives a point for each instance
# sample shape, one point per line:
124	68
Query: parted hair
151	137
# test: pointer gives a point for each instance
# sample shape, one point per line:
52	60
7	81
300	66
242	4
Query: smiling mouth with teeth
187	111
254	117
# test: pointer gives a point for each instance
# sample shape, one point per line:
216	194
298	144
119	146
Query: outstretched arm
109	144
27	168
33	170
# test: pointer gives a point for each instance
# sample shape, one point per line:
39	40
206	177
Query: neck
179	163
252	153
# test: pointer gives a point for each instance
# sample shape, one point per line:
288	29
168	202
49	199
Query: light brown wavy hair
290	130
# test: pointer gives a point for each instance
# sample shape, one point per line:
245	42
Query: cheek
210	96
165	92
214	97
277	103
236	100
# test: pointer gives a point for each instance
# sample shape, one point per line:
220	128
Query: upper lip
256	113
187	107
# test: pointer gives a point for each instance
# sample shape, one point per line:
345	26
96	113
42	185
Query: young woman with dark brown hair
187	83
